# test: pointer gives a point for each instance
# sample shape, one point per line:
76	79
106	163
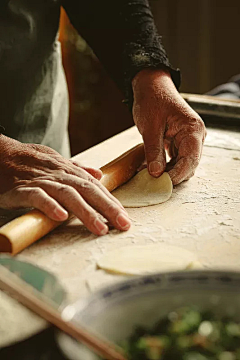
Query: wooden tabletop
203	215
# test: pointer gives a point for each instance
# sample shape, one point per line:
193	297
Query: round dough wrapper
144	190
147	259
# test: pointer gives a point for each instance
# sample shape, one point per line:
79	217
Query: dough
146	259
144	190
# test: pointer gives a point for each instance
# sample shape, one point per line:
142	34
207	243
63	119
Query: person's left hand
166	122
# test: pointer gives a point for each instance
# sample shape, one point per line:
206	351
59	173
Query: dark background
201	38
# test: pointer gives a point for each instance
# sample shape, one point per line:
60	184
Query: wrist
149	83
149	75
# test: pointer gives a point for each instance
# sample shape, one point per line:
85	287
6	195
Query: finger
181	170
107	193
78	174
189	154
70	198
39	199
190	175
105	205
94	176
97	173
88	177
84	194
155	152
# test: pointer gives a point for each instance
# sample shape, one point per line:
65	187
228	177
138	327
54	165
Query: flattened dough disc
144	190
147	259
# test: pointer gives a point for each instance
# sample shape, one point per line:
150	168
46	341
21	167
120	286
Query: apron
33	91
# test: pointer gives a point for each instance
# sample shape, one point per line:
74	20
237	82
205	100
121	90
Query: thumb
155	153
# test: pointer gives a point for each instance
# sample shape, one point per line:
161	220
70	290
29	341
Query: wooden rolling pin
26	229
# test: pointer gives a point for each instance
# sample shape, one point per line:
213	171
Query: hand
167	122
37	176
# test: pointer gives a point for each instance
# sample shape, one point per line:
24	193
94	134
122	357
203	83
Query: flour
193	226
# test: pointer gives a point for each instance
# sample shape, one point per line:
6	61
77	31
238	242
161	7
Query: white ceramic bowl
114	312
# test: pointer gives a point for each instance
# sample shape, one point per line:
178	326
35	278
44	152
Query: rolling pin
32	226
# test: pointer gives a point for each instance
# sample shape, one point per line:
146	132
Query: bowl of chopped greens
191	315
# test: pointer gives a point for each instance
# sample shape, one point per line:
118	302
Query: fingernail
123	222
101	227
61	213
155	168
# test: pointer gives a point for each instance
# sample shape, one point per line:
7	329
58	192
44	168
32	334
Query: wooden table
203	216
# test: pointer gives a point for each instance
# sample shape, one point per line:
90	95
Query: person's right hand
37	176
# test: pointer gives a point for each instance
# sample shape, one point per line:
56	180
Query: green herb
186	334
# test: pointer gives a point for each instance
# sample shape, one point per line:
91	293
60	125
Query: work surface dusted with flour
203	216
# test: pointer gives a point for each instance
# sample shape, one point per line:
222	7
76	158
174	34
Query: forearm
123	35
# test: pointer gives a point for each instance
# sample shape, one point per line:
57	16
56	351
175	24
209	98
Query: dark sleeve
123	36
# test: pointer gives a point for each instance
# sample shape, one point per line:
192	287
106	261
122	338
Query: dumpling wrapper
147	259
144	190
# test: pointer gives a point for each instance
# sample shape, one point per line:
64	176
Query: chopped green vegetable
186	334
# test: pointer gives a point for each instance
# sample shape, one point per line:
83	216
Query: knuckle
67	190
199	125
63	187
87	186
50	163
113	209
194	124
42	148
87	215
45	203
35	193
153	149
94	181
76	163
190	175
91	217
195	160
